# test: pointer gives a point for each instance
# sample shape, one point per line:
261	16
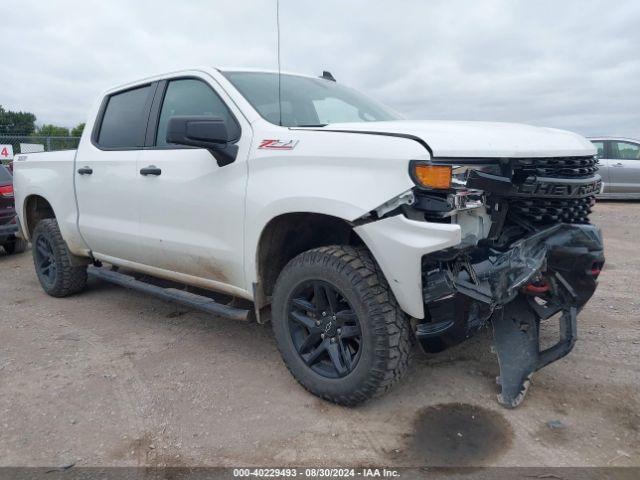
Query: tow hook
536	288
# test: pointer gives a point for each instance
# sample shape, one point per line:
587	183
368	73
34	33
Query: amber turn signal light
432	176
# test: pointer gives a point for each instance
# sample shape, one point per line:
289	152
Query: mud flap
517	342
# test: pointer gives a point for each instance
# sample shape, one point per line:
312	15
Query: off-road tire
69	279
386	333
15	245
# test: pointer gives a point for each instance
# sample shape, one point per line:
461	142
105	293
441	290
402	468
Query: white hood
482	139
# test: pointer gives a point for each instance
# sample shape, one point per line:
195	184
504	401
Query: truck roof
201	69
261	70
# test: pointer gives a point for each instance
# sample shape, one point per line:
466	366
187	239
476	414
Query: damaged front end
531	255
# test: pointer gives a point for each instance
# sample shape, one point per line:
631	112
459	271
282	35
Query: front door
191	210
106	174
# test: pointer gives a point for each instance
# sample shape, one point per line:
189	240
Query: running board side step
198	302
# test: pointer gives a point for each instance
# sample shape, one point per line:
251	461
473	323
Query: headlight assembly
434	176
443	187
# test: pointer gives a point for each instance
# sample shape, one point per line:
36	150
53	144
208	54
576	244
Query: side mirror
204	132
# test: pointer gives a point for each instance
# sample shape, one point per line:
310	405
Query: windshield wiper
309	126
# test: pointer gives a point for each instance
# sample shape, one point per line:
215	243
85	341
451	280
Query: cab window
189	96
124	121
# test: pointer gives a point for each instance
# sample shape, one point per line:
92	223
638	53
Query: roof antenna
327	76
279	69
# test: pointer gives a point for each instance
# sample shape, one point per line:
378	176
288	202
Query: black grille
559	167
546	210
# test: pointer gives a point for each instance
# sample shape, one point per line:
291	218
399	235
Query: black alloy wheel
324	329
60	273
338	326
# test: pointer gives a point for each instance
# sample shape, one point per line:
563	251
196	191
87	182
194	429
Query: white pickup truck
306	203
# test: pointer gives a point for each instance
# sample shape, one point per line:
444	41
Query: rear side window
193	97
124	122
625	151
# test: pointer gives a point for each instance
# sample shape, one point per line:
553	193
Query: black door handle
150	170
85	171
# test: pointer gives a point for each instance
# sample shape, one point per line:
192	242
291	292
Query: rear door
106	174
192	210
624	167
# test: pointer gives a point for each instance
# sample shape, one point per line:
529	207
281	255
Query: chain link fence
32	144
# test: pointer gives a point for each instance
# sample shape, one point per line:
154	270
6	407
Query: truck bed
51	176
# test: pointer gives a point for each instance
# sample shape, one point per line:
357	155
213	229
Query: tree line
24	123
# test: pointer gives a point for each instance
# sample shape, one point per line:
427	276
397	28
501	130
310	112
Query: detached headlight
445	177
442	188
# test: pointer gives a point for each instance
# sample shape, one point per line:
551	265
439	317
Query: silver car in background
619	163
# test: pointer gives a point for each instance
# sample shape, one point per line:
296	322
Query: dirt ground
112	377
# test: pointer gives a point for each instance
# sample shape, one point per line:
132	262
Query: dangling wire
279	68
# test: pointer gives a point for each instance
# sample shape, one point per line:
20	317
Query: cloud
570	64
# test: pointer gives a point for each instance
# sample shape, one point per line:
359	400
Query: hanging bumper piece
551	271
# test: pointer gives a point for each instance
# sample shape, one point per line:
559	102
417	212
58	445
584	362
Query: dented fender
398	244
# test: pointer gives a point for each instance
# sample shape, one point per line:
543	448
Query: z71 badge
278	144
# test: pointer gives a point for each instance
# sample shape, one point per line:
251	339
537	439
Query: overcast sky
566	64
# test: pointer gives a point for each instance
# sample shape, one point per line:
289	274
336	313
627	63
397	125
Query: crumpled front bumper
551	271
494	277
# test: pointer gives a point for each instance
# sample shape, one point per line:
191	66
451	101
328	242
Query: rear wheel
57	275
338	326
15	245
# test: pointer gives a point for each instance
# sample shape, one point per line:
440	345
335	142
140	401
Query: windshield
306	101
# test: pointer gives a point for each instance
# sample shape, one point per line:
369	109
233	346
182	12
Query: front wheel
338	326
51	258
